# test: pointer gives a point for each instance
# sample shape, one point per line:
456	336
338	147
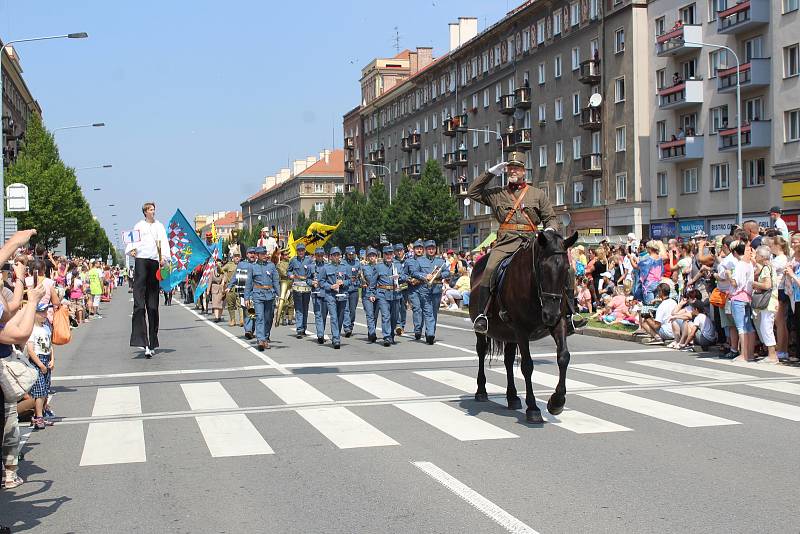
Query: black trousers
144	323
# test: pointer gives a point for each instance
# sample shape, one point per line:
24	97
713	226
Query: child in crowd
40	352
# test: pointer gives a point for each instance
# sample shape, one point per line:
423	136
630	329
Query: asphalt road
213	436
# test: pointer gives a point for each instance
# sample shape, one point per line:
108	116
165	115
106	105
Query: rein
555	297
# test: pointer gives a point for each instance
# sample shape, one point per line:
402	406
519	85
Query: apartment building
695	138
525	84
18	104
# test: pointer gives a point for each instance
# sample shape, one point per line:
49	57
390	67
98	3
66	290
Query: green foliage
436	211
301	224
57	205
403	217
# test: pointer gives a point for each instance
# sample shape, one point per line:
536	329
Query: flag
316	236
213	232
187	251
208	268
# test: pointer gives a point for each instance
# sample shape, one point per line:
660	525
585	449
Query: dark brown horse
533	296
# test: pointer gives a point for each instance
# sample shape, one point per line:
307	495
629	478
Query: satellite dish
519	114
565	219
595	100
466	202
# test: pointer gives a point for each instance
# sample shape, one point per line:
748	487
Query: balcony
509	139
591	119
413	171
350	166
673	42
682	95
349	143
461	158
757	134
452	125
415	140
377	156
522	97
685	149
450	160
459	189
349	188
743	16
522	139
754	74
592	165
506	104
590	71
405	144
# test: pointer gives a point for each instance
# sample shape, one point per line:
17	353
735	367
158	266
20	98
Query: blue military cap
418	243
300	246
251	250
399	246
336	250
430	243
261	250
320	251
388	249
372	252
350	249
362	251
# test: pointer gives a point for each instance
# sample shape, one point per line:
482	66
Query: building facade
694	184
277	206
225	223
18	105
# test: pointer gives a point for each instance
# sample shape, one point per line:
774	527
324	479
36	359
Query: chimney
455	41
462	31
424	57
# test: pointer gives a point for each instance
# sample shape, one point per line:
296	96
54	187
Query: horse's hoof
514	404
481	397
556	404
534	417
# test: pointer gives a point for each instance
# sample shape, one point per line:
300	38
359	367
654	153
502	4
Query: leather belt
403	287
518	227
261	287
389	287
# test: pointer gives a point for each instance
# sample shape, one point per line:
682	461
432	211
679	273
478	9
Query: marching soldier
414	288
335	281
369	300
236	289
431	270
317	294
387	290
400	257
287	308
301	273
353	267
231	302
259	292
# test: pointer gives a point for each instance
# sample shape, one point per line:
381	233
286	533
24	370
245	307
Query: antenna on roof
396	40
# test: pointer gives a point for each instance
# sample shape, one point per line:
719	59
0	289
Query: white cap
607	274
632	236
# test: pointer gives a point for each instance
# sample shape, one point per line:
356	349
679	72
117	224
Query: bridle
555	298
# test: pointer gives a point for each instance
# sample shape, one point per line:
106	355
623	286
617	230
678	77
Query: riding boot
481	323
574	319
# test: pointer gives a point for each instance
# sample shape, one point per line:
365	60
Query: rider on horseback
521	210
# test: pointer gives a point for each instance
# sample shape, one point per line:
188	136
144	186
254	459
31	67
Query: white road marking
744	402
780	369
117	442
475	499
225	435
783	387
450	420
659	410
164	373
623	375
694	370
341	426
577	422
547	380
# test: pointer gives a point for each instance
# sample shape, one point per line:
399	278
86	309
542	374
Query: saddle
499	274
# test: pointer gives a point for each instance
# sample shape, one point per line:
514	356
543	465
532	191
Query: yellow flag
291	245
316	236
213	232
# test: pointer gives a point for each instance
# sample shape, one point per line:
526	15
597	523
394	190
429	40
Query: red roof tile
333	167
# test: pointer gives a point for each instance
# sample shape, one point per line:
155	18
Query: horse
533	297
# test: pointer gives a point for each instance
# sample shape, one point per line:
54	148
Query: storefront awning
486	242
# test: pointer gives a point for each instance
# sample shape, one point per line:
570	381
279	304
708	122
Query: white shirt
780	225
150	235
664	311
706	326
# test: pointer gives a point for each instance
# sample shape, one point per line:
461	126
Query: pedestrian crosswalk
680	394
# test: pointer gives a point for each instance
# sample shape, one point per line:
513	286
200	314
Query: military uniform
354	273
231	301
414	288
236	288
318	295
431	290
400	257
389	276
262	284
369	299
335	298
287	311
301	271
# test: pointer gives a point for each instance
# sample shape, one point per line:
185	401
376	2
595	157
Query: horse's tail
495	349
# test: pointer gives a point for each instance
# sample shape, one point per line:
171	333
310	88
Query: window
543	156
660	26
496	55
474	139
319	206
753	48
425	125
486	98
619	89
560	193
717	60
718	119
545	187
791	60
689	181
319	188
753	109
622	186
594	9
576	103
790	5
719	177
338	188
577	193
475	101
575	57
755	172
486	134
557	22
435	151
557	67
791	119
559	151
619	41
688	68
715	6
663	185
574	14
542	113
559	108
661	78
576	148
526	40
541	73
597	191
620	139
540	31
688	14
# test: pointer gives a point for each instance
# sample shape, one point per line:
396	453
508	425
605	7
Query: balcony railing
684	94
506	104
509	139
685	149
459	189
591	119
743	16
405	144
522	97
450	160
452	125
522	139
350	166
415	140
753	74
413	171
589	71
756	134
674	42
380	156
592	164
461	158
349	143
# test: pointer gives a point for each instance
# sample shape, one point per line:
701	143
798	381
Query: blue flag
208	270
187	249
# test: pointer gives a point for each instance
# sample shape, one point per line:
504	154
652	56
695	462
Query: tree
403	221
436	211
301	224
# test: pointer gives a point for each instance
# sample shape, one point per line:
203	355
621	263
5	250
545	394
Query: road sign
17	197
131	236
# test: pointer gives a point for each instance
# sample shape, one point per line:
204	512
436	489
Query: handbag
718	298
761	297
17	375
62	334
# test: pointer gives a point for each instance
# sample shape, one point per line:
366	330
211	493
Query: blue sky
203	99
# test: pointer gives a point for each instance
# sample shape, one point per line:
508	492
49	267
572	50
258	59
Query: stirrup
578	320
481	324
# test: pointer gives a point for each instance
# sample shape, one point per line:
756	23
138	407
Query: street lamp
738	123
93	125
81	35
106	166
389	173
